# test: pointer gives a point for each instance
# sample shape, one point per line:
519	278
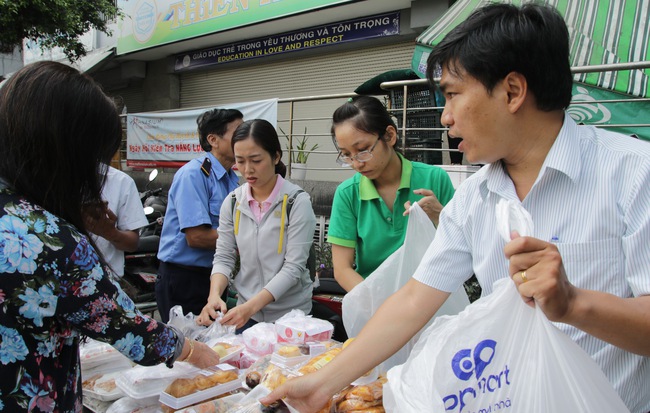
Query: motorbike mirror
148	210
153	175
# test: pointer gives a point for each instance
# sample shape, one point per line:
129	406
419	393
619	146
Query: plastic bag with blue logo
499	355
363	300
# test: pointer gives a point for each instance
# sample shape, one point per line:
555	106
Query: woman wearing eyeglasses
369	212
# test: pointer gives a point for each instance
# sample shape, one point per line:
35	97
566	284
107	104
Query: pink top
259	209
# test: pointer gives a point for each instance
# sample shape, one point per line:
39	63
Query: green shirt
360	219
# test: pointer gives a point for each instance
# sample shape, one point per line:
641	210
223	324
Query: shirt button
389	219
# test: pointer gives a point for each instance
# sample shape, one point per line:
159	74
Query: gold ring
523	276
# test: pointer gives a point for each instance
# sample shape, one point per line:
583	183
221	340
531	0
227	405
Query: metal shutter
132	97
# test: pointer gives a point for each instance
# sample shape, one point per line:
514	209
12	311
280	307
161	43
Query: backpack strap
311	260
292	200
285	214
236	212
287	204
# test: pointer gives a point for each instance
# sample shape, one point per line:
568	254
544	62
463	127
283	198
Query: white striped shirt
592	198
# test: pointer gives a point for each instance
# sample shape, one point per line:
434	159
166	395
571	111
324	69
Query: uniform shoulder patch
206	167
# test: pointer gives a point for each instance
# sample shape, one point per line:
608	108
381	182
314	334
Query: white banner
171	138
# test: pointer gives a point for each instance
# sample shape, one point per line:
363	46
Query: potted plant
298	156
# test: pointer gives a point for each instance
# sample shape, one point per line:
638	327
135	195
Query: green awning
601	32
610	110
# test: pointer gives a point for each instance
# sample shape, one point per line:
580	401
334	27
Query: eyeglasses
363	156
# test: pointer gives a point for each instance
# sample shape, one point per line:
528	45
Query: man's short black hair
215	122
532	40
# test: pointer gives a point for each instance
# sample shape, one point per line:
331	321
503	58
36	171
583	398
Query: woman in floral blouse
56	125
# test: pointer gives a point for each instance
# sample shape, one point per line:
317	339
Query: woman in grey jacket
273	245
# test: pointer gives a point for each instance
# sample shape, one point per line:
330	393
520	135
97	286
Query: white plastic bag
360	304
186	323
499	354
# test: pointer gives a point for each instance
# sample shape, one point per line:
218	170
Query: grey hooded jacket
273	253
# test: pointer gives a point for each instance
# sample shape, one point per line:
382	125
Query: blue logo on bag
473	362
465	361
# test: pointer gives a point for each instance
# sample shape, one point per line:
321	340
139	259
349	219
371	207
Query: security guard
189	235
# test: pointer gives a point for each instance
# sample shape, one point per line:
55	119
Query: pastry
108	386
89	384
253	378
273	377
181	387
222	349
367	398
289	351
319	361
353	405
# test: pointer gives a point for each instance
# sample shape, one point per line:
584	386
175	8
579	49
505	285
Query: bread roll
319	361
181	387
222	349
186	386
289	351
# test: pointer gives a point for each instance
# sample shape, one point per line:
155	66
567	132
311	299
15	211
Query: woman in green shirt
369	212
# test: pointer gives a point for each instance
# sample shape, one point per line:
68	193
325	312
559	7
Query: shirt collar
564	157
217	169
367	189
565	154
272	196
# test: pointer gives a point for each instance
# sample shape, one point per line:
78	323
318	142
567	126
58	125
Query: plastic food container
290	355
230	354
129	405
224	404
104	388
202	395
146	383
300	330
96	357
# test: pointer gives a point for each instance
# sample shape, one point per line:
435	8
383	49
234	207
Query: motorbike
141	265
327	301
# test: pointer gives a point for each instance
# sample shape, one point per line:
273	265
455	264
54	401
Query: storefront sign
150	23
171	139
380	25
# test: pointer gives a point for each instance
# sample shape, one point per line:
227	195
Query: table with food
252	364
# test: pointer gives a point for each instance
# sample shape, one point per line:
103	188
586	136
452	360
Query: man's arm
101	221
125	240
623	322
396	321
201	237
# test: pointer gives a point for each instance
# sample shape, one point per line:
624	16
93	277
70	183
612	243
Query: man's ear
516	87
213	140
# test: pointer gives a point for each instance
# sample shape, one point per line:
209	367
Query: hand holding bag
499	354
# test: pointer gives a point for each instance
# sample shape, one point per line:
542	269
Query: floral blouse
53	290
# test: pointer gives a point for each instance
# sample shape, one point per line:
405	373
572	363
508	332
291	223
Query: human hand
305	394
209	313
429	204
537	270
238	316
202	356
99	219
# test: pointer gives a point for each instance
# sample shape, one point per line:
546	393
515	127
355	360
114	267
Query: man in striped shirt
507	81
